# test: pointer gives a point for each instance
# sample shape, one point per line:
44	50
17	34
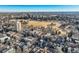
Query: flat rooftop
2	35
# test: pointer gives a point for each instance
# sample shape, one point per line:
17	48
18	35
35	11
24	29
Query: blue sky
23	8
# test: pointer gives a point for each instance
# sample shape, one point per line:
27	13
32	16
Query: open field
55	25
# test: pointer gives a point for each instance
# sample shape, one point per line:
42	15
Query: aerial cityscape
39	29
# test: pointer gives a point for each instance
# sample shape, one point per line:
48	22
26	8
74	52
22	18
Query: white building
19	27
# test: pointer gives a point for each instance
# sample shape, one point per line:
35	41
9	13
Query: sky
33	8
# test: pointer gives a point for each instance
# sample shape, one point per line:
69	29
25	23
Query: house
3	37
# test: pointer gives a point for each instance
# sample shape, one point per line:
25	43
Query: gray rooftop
1	35
75	36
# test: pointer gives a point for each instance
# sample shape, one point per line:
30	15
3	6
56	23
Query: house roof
1	35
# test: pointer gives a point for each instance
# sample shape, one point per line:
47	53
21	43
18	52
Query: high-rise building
19	27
